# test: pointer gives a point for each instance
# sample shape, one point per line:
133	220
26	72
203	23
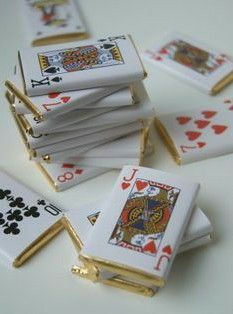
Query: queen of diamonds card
145	217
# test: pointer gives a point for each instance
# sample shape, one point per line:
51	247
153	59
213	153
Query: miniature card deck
192	61
197	134
65	176
144	203
57	103
92	63
52	21
27	221
53	104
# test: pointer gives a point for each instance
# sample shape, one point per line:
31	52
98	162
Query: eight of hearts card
197	134
193	61
92	63
53	21
27	221
143	202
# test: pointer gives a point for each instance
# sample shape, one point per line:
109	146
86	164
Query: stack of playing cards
82	108
52	21
192	61
130	239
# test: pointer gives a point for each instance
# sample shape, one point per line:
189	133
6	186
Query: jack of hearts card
141	234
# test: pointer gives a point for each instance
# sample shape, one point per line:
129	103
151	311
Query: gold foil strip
36	245
26	101
48	177
123	270
73	235
222	83
168	141
58	39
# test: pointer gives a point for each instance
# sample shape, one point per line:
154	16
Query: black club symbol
41	202
32	211
15	215
2	221
17	203
4	193
11	228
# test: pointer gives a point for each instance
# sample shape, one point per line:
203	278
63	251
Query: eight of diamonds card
147	204
197	134
193	61
92	63
52	21
27	221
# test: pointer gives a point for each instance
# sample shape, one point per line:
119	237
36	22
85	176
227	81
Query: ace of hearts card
192	61
141	234
197	134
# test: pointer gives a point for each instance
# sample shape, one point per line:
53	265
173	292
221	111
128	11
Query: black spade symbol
108	46
52	70
56	79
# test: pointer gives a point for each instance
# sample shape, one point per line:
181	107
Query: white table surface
201	280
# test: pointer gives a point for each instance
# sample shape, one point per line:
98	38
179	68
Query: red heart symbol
231	108
201	144
79	171
53	95
192	136
209	114
201	124
141	185
183	120
163	51
150	247
158	58
125	185
218	129
167	249
65	99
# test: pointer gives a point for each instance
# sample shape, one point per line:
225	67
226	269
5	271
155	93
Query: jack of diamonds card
193	135
126	241
193	61
53	21
95	63
27	221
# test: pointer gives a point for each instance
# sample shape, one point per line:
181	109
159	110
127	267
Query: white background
201	280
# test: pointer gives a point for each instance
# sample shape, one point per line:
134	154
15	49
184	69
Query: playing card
88	139
27	221
197	134
104	148
77	116
65	176
92	63
143	110
192	61
79	222
52	21
121	98
53	104
147	206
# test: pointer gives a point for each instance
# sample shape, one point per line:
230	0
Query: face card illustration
80	58
192	61
145	216
197	134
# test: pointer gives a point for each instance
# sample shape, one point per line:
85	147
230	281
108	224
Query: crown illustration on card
44	62
116	54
